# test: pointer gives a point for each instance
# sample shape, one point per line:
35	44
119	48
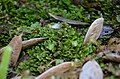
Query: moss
64	43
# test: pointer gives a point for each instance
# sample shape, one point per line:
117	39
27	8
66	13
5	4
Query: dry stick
56	70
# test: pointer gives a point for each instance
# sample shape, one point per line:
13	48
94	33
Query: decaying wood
94	31
61	68
28	43
16	44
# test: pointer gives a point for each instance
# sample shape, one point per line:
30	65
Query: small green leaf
51	46
74	43
118	18
58	61
5	62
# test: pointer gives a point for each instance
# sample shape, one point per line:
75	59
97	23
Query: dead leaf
61	68
108	55
68	20
91	70
115	71
76	2
93	4
114	41
1	50
106	31
16	77
114	48
28	43
94	31
111	52
114	45
22	1
16	44
68	75
24	75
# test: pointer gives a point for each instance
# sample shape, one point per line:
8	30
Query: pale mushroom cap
94	30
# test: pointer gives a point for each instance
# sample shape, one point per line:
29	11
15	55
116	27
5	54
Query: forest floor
65	39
